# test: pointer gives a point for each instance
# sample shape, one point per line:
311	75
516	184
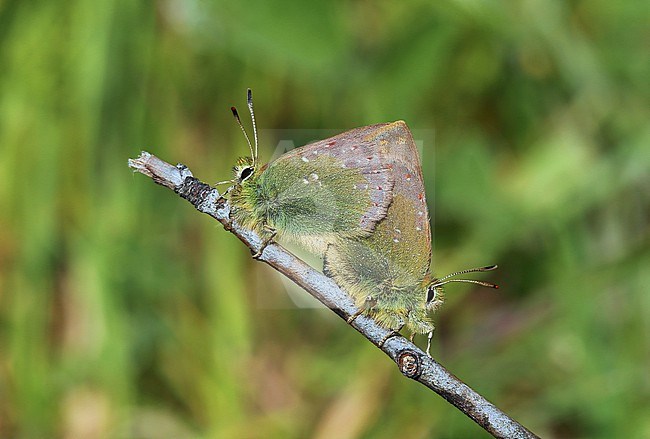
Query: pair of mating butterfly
356	199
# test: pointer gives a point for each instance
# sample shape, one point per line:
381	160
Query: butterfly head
244	169
435	296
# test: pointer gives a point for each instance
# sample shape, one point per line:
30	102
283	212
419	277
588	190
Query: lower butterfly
388	272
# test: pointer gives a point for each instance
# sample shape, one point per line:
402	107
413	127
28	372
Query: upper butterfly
336	188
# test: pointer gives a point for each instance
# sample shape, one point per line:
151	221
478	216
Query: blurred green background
125	313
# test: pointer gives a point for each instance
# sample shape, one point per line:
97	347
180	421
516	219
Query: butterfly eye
432	293
246	172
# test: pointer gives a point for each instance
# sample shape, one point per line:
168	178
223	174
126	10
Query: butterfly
356	199
338	188
388	272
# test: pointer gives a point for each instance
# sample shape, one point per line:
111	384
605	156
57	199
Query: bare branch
412	361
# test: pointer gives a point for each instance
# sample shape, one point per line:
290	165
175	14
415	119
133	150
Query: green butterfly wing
335	188
387	272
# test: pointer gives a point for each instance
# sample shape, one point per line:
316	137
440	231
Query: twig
412	361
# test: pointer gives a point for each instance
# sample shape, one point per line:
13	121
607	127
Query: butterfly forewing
412	219
346	175
339	187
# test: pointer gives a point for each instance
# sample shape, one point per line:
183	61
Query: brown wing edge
399	149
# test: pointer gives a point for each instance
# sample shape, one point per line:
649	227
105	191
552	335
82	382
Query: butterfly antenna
248	140
467	281
445	279
471	270
250	109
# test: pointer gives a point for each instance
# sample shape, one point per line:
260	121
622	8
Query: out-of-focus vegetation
124	313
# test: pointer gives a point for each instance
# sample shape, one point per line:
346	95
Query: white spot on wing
304	180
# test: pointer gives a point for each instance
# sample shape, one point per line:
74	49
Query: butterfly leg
429	337
227	191
369	303
391	334
265	240
354	316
